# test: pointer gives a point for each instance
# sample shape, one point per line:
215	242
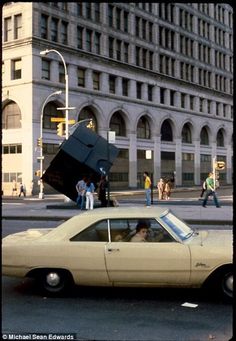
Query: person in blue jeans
210	190
147	187
80	188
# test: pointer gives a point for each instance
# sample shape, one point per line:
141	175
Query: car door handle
112	250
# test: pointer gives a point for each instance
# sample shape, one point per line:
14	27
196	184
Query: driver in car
141	232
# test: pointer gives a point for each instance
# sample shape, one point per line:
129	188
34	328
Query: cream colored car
95	248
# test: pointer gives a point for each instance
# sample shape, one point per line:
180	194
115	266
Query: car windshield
182	230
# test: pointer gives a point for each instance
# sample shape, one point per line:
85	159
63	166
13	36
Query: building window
112	82
111	44
118	49
96	80
97	37
126	52
118	18
50	148
11	116
110	15
7	29
125	86
150	89
12	149
44	26
186	134
79	37
61	73
143	129
79	9
220	139
45	69
89	40
162	95
139	90
172	97
81	77
126	21
117	124
204	138
50	111
88	10
54	29
16	69
166	131
97	11
17	26
64	35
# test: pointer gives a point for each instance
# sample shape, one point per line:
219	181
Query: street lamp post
67	108
41	194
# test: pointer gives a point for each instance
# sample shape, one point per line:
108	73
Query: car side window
157	233
121	228
97	232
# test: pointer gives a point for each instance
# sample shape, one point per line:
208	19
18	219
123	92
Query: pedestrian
203	189
14	188
160	188
80	188
22	190
210	190
89	195
167	190
147	187
102	187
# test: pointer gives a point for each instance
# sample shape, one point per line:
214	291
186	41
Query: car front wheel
226	281
54	281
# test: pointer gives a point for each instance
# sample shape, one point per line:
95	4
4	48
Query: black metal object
83	154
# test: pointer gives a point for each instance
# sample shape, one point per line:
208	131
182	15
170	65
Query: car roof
119	212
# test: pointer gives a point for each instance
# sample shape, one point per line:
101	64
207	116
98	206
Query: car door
85	255
160	262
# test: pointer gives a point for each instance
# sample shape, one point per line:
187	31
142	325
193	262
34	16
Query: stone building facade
158	74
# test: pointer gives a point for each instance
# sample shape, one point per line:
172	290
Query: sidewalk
37	210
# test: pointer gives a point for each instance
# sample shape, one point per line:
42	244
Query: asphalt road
107	314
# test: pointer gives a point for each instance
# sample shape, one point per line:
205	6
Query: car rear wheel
54	281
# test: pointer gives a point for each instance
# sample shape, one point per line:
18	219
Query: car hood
28	235
216	237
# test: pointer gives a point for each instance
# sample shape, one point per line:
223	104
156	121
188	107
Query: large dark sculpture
85	153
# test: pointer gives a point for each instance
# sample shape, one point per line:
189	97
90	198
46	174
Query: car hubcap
228	284
53	279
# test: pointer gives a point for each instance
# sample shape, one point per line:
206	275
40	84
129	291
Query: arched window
117	124
50	111
166	131
143	129
86	113
220	139
11	116
204	138
186	134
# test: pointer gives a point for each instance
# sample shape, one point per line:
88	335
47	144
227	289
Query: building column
197	163
132	88
178	161
89	79
157	159
118	85
132	160
104	82
229	164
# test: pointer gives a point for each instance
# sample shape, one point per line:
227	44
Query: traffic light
39	142
37	173
220	165
60	129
